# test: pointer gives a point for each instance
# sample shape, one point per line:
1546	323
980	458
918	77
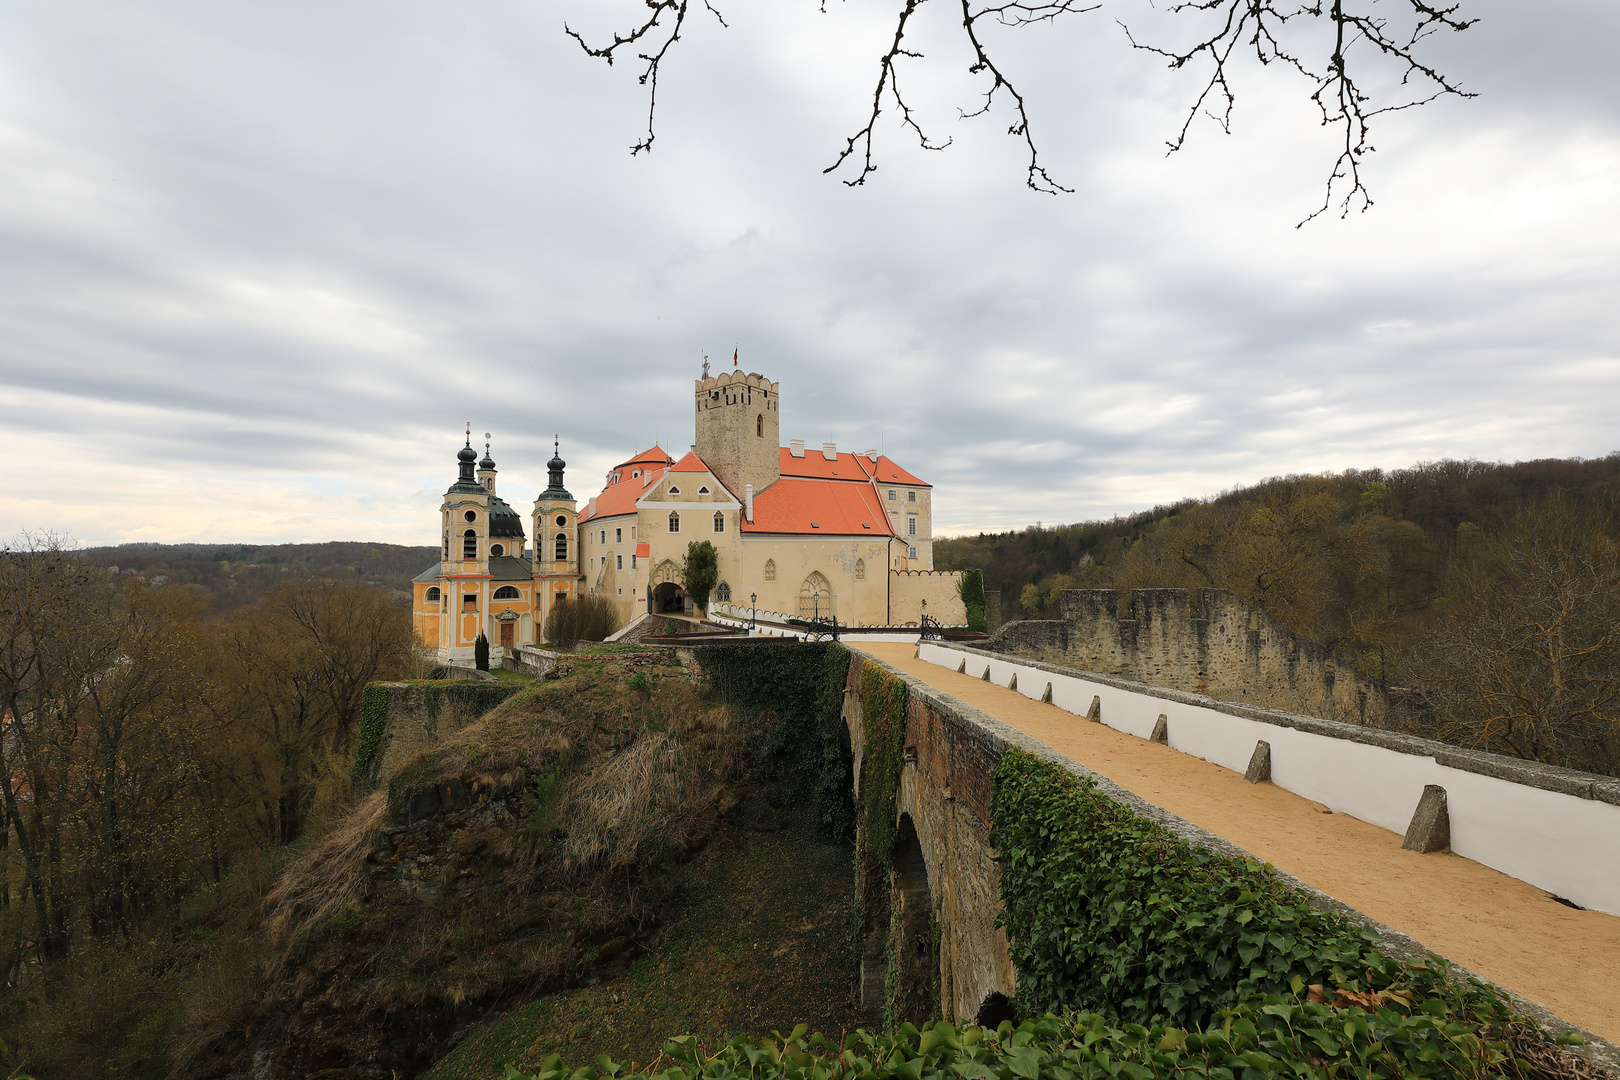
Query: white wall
1562	843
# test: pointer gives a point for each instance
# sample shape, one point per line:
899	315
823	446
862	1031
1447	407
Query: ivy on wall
473	699
970	587
883	724
1109	912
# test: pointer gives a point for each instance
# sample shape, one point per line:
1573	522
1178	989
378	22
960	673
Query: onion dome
555	490
466	456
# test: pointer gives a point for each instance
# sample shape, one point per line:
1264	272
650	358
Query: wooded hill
235	575
1492	589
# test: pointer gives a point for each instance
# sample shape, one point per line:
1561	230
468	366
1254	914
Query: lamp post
815	599
753	607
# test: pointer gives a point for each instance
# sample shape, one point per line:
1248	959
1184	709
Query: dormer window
673	490
634	473
703	490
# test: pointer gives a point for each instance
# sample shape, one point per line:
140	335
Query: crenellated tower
738	429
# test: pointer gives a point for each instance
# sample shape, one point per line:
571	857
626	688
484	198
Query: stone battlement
1208	643
729	379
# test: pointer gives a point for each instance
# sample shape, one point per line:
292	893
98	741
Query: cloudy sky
260	262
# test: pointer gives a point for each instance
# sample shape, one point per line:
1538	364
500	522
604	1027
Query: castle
796	531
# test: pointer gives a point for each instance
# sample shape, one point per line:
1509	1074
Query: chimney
592	511
829	450
748	502
796	448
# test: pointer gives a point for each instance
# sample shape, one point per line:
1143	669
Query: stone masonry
1209	643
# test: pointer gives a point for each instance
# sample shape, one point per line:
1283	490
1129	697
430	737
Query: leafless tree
1338	47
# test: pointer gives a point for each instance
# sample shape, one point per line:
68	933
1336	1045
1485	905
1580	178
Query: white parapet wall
1553	828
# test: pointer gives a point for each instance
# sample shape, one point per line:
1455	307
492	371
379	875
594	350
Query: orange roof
887	472
796	504
690	463
620	498
653	455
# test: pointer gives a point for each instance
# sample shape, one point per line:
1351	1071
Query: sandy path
1497	926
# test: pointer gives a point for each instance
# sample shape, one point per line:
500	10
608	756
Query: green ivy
797	690
1108	911
373	724
883	723
970	587
1277	1038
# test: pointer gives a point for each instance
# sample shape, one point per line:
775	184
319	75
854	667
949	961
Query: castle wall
915	592
1222	648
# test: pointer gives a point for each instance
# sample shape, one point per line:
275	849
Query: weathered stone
1161	730
986	675
1430	829
961	669
1046	698
1259	770
1012	683
1094	714
424	802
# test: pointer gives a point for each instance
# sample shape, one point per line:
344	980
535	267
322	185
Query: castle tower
486	469
738	430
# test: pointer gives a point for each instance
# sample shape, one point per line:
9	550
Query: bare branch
649	75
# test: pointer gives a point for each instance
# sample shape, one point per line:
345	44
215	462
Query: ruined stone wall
1208	643
913	593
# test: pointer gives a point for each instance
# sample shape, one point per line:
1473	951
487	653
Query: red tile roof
835	508
620	498
690	463
887	472
653	455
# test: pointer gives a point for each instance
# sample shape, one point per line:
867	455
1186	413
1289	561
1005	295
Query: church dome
466	453
504	522
488	462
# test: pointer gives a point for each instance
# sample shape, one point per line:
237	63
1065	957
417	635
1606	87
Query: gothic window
469	544
497	549
507	592
722	593
432	595
674	521
562	547
860	569
815	596
770	569
759	425
719	522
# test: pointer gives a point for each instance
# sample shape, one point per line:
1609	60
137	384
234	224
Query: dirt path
1497	926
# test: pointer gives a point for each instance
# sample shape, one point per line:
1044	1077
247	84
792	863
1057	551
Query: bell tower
738	429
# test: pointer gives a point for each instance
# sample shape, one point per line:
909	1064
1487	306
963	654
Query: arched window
815	596
770	569
860	569
674	521
722	593
562	547
759	425
497	549
507	592
446	544
719	522
432	595
469	544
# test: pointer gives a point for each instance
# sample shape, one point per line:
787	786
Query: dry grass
331	875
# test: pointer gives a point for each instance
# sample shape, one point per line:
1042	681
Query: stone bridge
945	865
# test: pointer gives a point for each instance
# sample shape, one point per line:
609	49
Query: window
911	553
632	532
759	425
604	535
469	602
722	593
632	561
618	536
489	483
911	496
704	490
719	522
497	549
893	495
673	490
618	562
446	554
470	515
674	522
634	473
562	521
432	595
562	547
770	569
469	545
911	526
860	569
507	592
621	592
815	596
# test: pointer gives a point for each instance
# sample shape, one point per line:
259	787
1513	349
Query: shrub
481	653
580	618
701	571
970	587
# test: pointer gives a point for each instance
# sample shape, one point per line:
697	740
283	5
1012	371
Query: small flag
733	357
